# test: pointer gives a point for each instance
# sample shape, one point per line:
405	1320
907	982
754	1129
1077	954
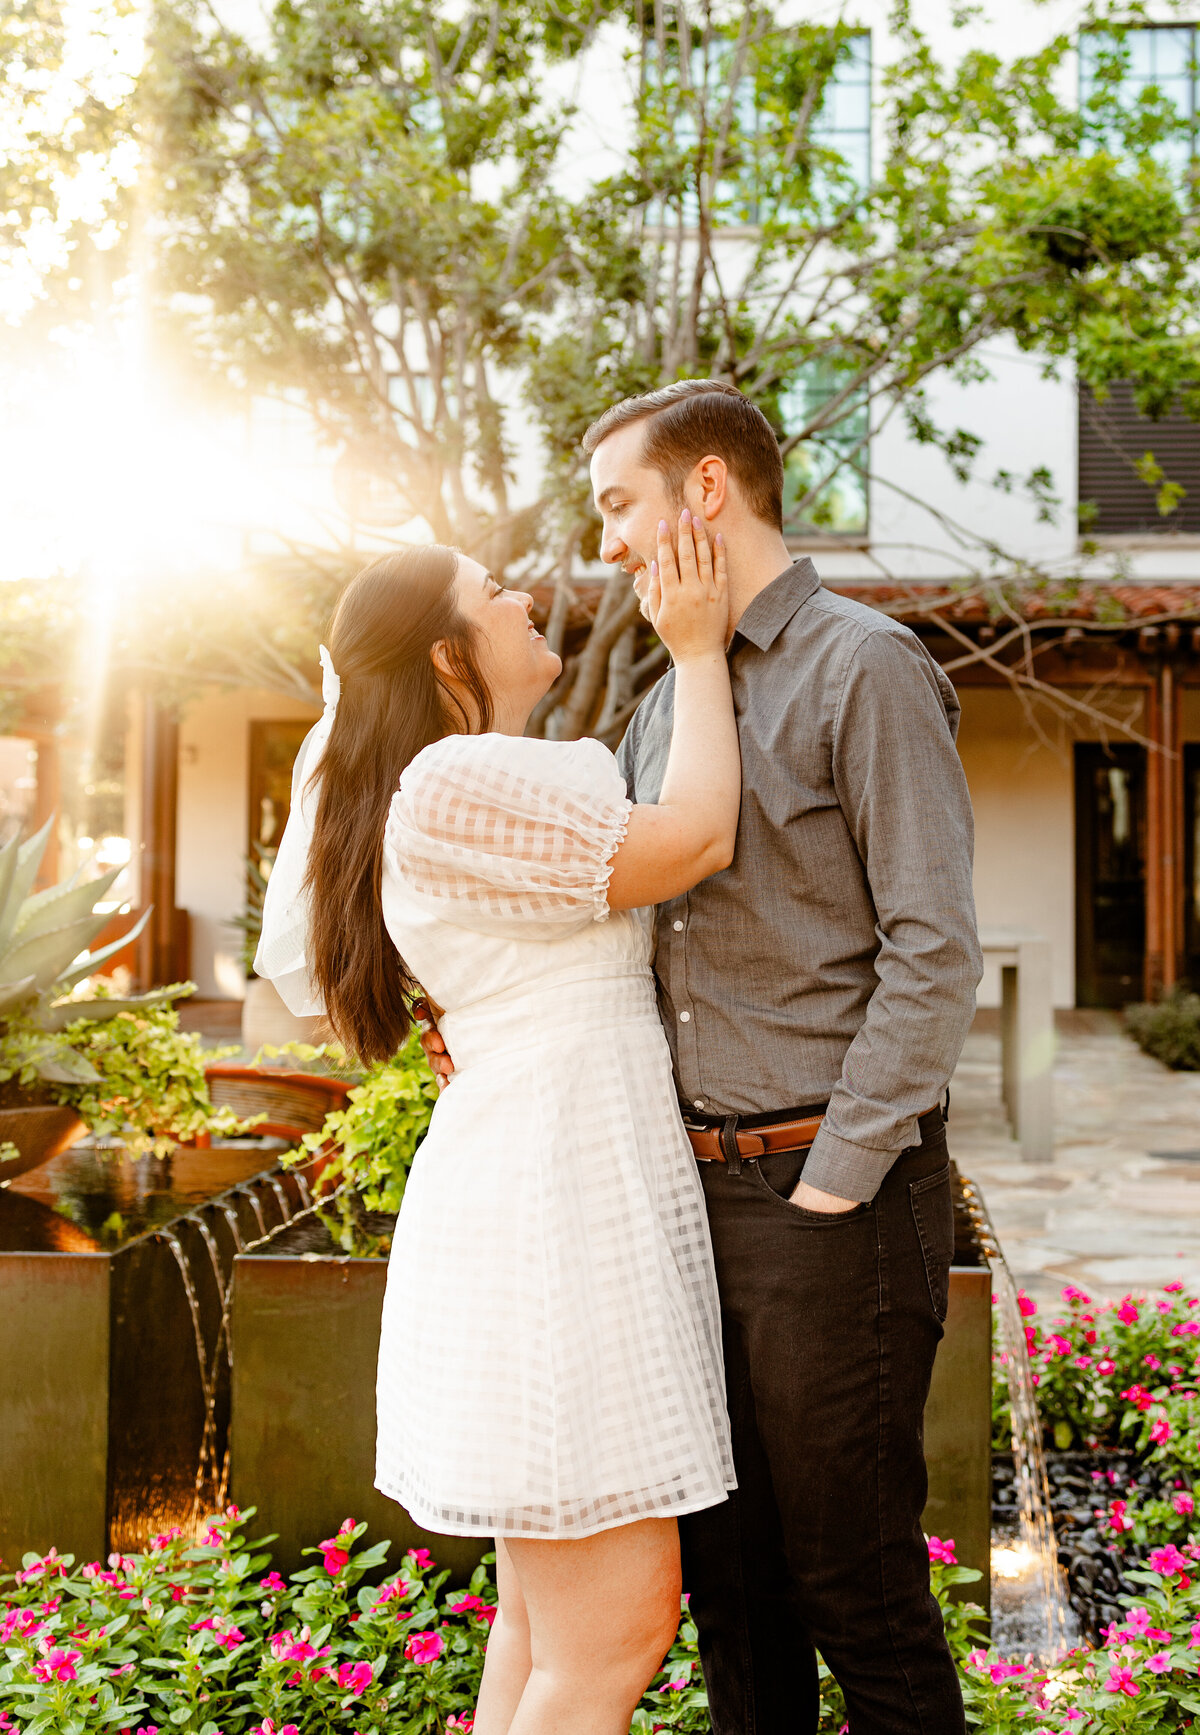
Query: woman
550	1362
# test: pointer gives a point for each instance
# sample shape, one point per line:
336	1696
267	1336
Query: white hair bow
331	681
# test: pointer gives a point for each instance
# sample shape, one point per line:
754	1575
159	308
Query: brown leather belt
756	1141
760	1141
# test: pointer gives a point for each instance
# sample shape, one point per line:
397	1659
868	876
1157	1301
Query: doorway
1110	873
1191	865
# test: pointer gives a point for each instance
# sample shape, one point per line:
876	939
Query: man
825	978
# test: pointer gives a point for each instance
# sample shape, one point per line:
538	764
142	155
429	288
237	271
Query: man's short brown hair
695	419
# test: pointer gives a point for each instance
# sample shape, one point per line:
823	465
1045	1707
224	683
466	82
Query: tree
745	242
363	208
372	207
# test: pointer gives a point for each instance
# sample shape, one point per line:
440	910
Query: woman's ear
440	659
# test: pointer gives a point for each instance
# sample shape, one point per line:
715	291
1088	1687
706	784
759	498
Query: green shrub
370	1144
1169	1029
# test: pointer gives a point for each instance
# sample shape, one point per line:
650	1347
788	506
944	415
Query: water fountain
1031	1612
114	1378
189	1331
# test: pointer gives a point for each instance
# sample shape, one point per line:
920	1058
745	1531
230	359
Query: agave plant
44	940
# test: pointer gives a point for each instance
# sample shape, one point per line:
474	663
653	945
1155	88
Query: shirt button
678	927
685	1017
699	1103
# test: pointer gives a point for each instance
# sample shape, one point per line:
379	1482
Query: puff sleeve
508	829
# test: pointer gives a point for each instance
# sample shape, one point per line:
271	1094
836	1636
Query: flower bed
208	1640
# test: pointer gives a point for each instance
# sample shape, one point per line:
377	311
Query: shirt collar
770	611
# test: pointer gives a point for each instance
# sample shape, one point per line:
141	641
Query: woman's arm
690	831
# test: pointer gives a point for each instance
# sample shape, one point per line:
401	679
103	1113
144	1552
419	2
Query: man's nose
612	549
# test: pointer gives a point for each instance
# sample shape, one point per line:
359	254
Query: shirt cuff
849	1171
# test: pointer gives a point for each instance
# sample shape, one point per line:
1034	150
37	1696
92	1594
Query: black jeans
830	1325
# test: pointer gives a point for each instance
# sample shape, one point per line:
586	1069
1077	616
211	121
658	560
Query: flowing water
167	1231
1030	1610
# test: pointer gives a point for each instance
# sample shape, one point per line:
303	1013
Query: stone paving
1119	1206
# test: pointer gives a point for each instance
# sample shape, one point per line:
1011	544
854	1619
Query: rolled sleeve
902	789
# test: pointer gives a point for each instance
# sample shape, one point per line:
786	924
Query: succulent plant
44	938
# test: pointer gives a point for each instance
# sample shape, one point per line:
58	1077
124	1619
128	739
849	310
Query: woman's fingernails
662	527
719	539
685	516
654	569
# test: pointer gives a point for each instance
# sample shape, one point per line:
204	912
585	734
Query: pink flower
56	1664
1083	1361
1070	1293
266	1727
273	1584
1104	1366
288	1647
1152	1362
1058	1345
164	1539
1168	1560
1028	1308
1138	1395
334	1553
1186	1328
399	1589
1138	1625
424	1647
1194	1641
976	1659
1160	1663
463	1724
1117	1517
1184	1504
1121	1680
354	1677
942	1551
422	1558
1005	1671
1127	1313
467	1605
1160	1433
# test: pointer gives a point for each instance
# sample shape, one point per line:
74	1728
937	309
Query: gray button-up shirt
836	959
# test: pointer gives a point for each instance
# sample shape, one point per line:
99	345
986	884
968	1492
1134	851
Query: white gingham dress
550	1360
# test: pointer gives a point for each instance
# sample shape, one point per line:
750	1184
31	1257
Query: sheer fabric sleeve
506	829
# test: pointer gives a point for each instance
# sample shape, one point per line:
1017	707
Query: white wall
214	771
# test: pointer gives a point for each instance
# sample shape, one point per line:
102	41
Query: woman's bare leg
508	1662
602	1614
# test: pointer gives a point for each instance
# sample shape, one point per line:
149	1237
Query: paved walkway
1119	1207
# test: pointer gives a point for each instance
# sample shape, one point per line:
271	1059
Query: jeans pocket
818	1219
933	1214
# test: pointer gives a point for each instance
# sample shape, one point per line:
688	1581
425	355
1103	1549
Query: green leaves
372	1142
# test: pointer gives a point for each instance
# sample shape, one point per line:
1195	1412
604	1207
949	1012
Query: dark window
1114	441
1110	873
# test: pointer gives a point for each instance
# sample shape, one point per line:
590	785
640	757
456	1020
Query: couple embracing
672	1262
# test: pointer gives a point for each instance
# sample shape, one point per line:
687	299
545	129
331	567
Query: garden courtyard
1119	1206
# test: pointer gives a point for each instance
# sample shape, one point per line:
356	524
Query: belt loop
729	1145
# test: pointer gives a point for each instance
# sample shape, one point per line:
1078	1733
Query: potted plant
266	1021
75	1054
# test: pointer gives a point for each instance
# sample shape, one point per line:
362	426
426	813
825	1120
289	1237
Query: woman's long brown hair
392	704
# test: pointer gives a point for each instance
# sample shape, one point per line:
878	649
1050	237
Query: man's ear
710	486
